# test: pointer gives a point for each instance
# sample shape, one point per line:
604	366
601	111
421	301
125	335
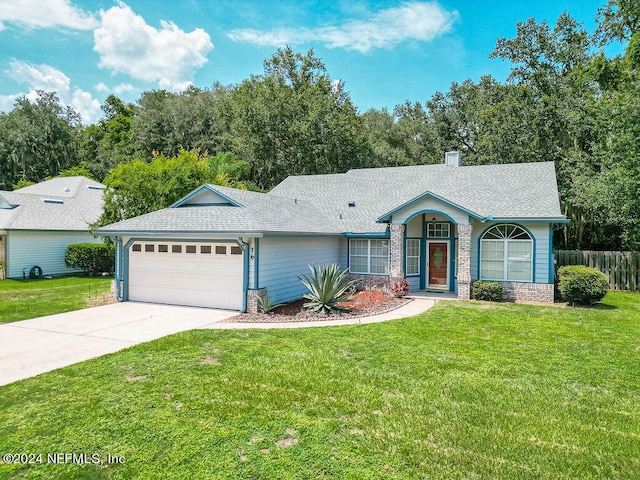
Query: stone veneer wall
528	292
252	299
464	260
396	246
369	281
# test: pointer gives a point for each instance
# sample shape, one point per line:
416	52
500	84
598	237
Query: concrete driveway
31	347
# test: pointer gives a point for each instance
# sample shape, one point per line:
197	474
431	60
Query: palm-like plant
266	304
328	286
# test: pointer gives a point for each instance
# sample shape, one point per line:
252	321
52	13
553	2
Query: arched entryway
430	251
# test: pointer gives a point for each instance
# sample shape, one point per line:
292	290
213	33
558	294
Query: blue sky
385	52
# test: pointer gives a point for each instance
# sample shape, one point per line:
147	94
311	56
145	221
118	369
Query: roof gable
5	204
202	196
387	216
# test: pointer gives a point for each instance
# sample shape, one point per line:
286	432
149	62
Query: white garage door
195	274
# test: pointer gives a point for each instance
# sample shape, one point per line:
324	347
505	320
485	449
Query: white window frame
407	257
438	226
508	236
369	256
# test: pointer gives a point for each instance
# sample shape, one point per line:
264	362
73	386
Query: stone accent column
252	299
464	260
396	250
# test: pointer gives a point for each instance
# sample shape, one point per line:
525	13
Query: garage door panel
197	279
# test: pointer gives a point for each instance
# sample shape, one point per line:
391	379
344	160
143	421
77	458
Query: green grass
466	391
22	299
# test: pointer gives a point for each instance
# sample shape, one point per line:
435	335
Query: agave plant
328	286
266	304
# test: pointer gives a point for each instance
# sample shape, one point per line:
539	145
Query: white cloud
124	88
87	106
40	77
118	89
45	14
421	21
47	78
7	101
169	56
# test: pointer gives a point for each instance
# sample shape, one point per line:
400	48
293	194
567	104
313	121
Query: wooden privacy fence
622	268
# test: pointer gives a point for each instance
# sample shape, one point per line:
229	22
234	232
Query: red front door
438	255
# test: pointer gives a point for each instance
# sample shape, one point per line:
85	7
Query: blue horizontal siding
26	249
283	260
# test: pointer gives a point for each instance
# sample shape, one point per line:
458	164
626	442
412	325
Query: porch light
433	220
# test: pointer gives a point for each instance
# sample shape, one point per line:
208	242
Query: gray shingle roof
507	191
60	204
318	204
257	212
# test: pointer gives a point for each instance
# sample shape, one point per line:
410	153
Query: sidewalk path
414	307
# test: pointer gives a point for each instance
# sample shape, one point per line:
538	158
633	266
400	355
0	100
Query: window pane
205	248
368	256
438	230
136	247
149	248
492	261
190	249
236	251
163	248
359	256
412	265
359	247
413	248
492	270
380	247
358	264
519	260
221	250
176	248
379	264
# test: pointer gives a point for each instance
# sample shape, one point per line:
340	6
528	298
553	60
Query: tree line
565	101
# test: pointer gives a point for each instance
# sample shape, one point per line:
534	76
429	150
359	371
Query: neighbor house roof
319	204
65	203
213	208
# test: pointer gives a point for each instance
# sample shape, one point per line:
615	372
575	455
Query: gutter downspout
118	277
245	274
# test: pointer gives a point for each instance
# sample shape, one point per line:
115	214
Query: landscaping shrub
266	304
488	291
328	286
577	283
399	288
91	258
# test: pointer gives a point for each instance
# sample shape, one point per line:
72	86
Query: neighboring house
38	222
438	226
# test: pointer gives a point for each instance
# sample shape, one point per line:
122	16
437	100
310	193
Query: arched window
506	254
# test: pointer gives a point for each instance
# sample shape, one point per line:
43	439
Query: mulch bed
364	304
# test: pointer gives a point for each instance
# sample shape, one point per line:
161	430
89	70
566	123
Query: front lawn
22	299
467	390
